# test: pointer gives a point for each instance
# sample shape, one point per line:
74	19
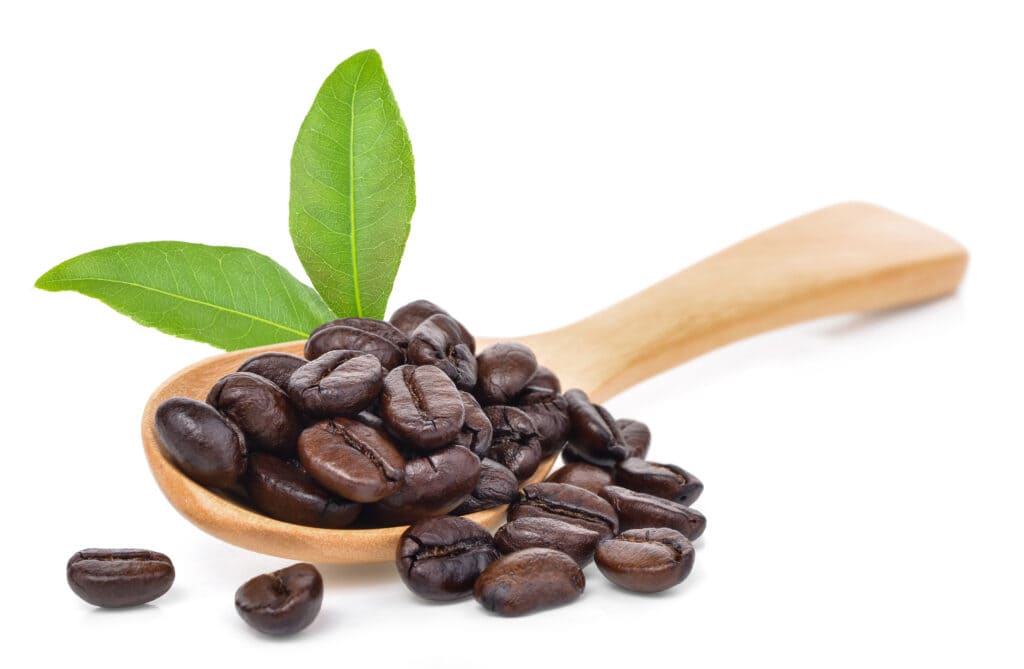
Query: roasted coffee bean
437	341
382	329
284	490
260	409
502	371
497	485
433	485
440	558
515	443
209	448
544	379
344	337
422	406
576	541
594	434
351	459
281	602
528	581
583	475
409	317
338	383
572	455
273	366
646	560
636	436
116	577
370	419
668	481
637	510
476	432
565	502
549	413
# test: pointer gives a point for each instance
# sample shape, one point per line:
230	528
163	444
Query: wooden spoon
848	257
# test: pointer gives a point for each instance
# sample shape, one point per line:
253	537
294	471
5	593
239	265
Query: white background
863	473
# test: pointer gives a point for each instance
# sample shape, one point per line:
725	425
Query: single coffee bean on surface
338	383
668	481
351	459
595	434
273	366
422	406
281	602
437	341
381	329
636	436
515	443
344	337
502	371
544	379
260	409
285	491
410	316
209	448
119	577
583	475
433	485
568	503
637	510
476	432
529	580
576	541
646	560
497	485
440	558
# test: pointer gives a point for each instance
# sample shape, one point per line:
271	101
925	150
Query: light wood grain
848	257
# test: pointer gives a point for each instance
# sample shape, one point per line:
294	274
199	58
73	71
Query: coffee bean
583	475
209	448
338	383
572	455
594	433
281	602
544	379
636	436
666	481
344	337
529	580
637	510
497	485
422	406
285	491
351	459
117	577
502	371
476	432
565	502
440	558
273	366
437	342
515	442
409	317
260	409
646	560
549	413
574	540
381	329
433	485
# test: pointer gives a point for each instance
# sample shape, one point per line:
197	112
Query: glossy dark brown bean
281	602
273	366
576	541
565	502
594	434
637	510
285	491
549	413
476	432
497	485
118	577
646	560
437	341
422	406
260	409
668	481
433	485
529	580
344	337
502	371
572	455
544	379
515	442
440	558
581	474
338	383
209	448
409	317
352	459
636	436
382	329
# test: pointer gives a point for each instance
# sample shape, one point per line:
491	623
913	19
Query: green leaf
353	190
230	297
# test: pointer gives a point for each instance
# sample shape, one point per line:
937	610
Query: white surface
863	473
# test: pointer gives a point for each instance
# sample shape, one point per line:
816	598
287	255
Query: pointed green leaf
230	297
353	189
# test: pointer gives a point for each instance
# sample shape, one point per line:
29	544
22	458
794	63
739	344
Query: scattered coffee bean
422	406
409	317
284	490
576	541
260	409
345	337
281	602
566	502
476	432
595	436
637	510
549	413
351	459
583	475
201	442
273	366
441	558
515	442
667	481
528	581
433	485
502	371
437	341
646	560
381	329
497	485
118	577
338	383
636	436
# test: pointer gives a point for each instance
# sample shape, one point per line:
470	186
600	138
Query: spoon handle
844	258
